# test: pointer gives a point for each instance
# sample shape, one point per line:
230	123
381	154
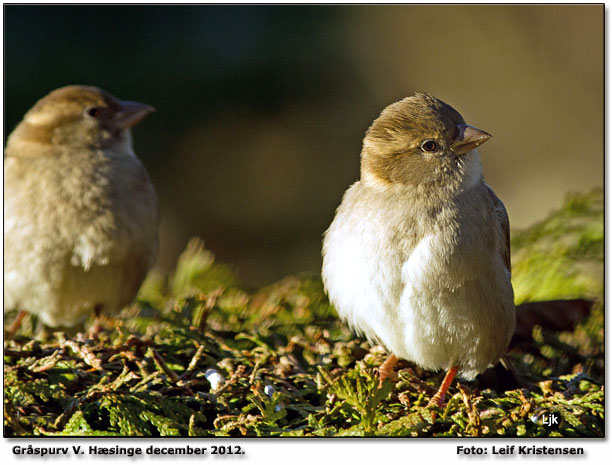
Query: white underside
430	302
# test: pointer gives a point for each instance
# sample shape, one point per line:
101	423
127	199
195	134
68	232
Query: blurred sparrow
80	212
418	255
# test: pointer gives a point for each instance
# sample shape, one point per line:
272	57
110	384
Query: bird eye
94	112
429	146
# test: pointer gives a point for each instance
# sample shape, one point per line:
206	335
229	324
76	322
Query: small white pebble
215	378
269	390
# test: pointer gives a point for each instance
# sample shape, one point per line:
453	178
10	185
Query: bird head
421	141
80	117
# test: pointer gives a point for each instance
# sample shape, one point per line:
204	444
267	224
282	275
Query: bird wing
504	223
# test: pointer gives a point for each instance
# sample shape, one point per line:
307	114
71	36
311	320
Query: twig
88	357
159	361
194	362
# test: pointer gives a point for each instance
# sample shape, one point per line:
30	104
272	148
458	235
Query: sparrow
80	212
417	257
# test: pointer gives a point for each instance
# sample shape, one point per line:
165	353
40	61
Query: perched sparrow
418	255
80	212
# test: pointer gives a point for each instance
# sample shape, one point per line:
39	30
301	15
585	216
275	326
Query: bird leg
438	398
96	326
386	370
17	323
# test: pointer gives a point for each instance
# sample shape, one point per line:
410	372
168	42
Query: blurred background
261	109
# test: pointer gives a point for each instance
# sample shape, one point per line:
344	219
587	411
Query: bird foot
437	401
385	371
17	323
95	329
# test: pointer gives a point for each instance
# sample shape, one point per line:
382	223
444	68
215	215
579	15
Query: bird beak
131	113
468	138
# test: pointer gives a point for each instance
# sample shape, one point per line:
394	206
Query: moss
562	256
286	366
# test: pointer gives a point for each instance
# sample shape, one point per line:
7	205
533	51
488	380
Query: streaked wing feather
502	216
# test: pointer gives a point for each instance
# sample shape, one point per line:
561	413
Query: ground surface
198	355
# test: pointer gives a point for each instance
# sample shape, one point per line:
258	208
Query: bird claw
436	401
386	371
